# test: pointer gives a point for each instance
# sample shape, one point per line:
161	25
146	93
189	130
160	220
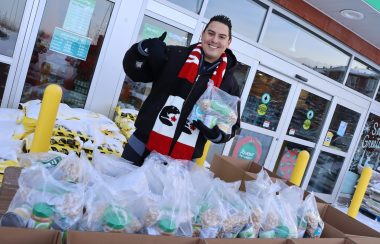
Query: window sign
342	128
70	44
368	151
78	16
248	148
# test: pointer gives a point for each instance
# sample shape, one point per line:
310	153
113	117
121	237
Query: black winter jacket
166	83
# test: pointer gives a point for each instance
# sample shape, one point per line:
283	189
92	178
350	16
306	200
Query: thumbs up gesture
156	50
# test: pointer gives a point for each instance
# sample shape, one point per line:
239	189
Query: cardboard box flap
244	241
330	231
30	236
364	240
346	224
318	241
77	237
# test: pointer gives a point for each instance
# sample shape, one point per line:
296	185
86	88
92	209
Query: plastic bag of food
216	107
278	221
111	165
42	202
260	186
252	228
175	191
108	208
310	223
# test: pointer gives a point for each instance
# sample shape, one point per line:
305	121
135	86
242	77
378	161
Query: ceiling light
351	14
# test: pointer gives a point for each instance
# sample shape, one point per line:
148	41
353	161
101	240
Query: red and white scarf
189	70
161	136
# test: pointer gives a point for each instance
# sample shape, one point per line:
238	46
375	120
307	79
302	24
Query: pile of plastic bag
163	197
125	119
75	130
10	145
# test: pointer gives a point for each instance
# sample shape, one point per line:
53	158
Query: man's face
215	40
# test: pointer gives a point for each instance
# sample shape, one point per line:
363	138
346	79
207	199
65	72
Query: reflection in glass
10	20
265	101
47	66
325	173
305	48
287	158
308	117
214	149
341	129
241	74
247	16
249	145
193	6
4	69
133	94
363	78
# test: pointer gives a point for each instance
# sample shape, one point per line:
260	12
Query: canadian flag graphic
184	148
163	131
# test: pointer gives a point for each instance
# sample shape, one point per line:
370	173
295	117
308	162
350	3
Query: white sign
78	16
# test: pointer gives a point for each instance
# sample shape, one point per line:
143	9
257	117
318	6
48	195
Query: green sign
151	31
374	4
247	152
70	44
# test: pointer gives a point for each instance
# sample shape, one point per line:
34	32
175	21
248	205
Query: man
180	76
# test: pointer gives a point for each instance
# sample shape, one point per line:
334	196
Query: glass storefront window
247	16
325	173
368	150
249	145
341	129
133	94
265	101
305	48
10	20
67	49
308	117
241	73
363	78
193	6
4	69
287	158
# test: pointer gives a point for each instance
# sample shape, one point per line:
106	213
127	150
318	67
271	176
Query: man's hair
222	19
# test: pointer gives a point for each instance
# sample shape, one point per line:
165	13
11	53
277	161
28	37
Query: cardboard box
77	237
30	236
364	240
232	169
346	224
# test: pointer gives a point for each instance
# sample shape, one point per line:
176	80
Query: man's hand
155	48
214	134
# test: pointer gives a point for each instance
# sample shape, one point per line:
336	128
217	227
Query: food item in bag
314	225
269	225
18	217
166	227
42	216
115	220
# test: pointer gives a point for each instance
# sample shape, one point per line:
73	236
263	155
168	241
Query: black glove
211	134
155	48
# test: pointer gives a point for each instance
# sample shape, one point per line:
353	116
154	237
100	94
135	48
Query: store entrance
282	115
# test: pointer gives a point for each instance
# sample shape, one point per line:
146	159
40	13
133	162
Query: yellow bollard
200	161
46	118
300	167
361	188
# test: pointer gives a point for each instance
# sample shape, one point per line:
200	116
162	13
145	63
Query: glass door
266	100
331	157
302	130
14	17
66	42
244	72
